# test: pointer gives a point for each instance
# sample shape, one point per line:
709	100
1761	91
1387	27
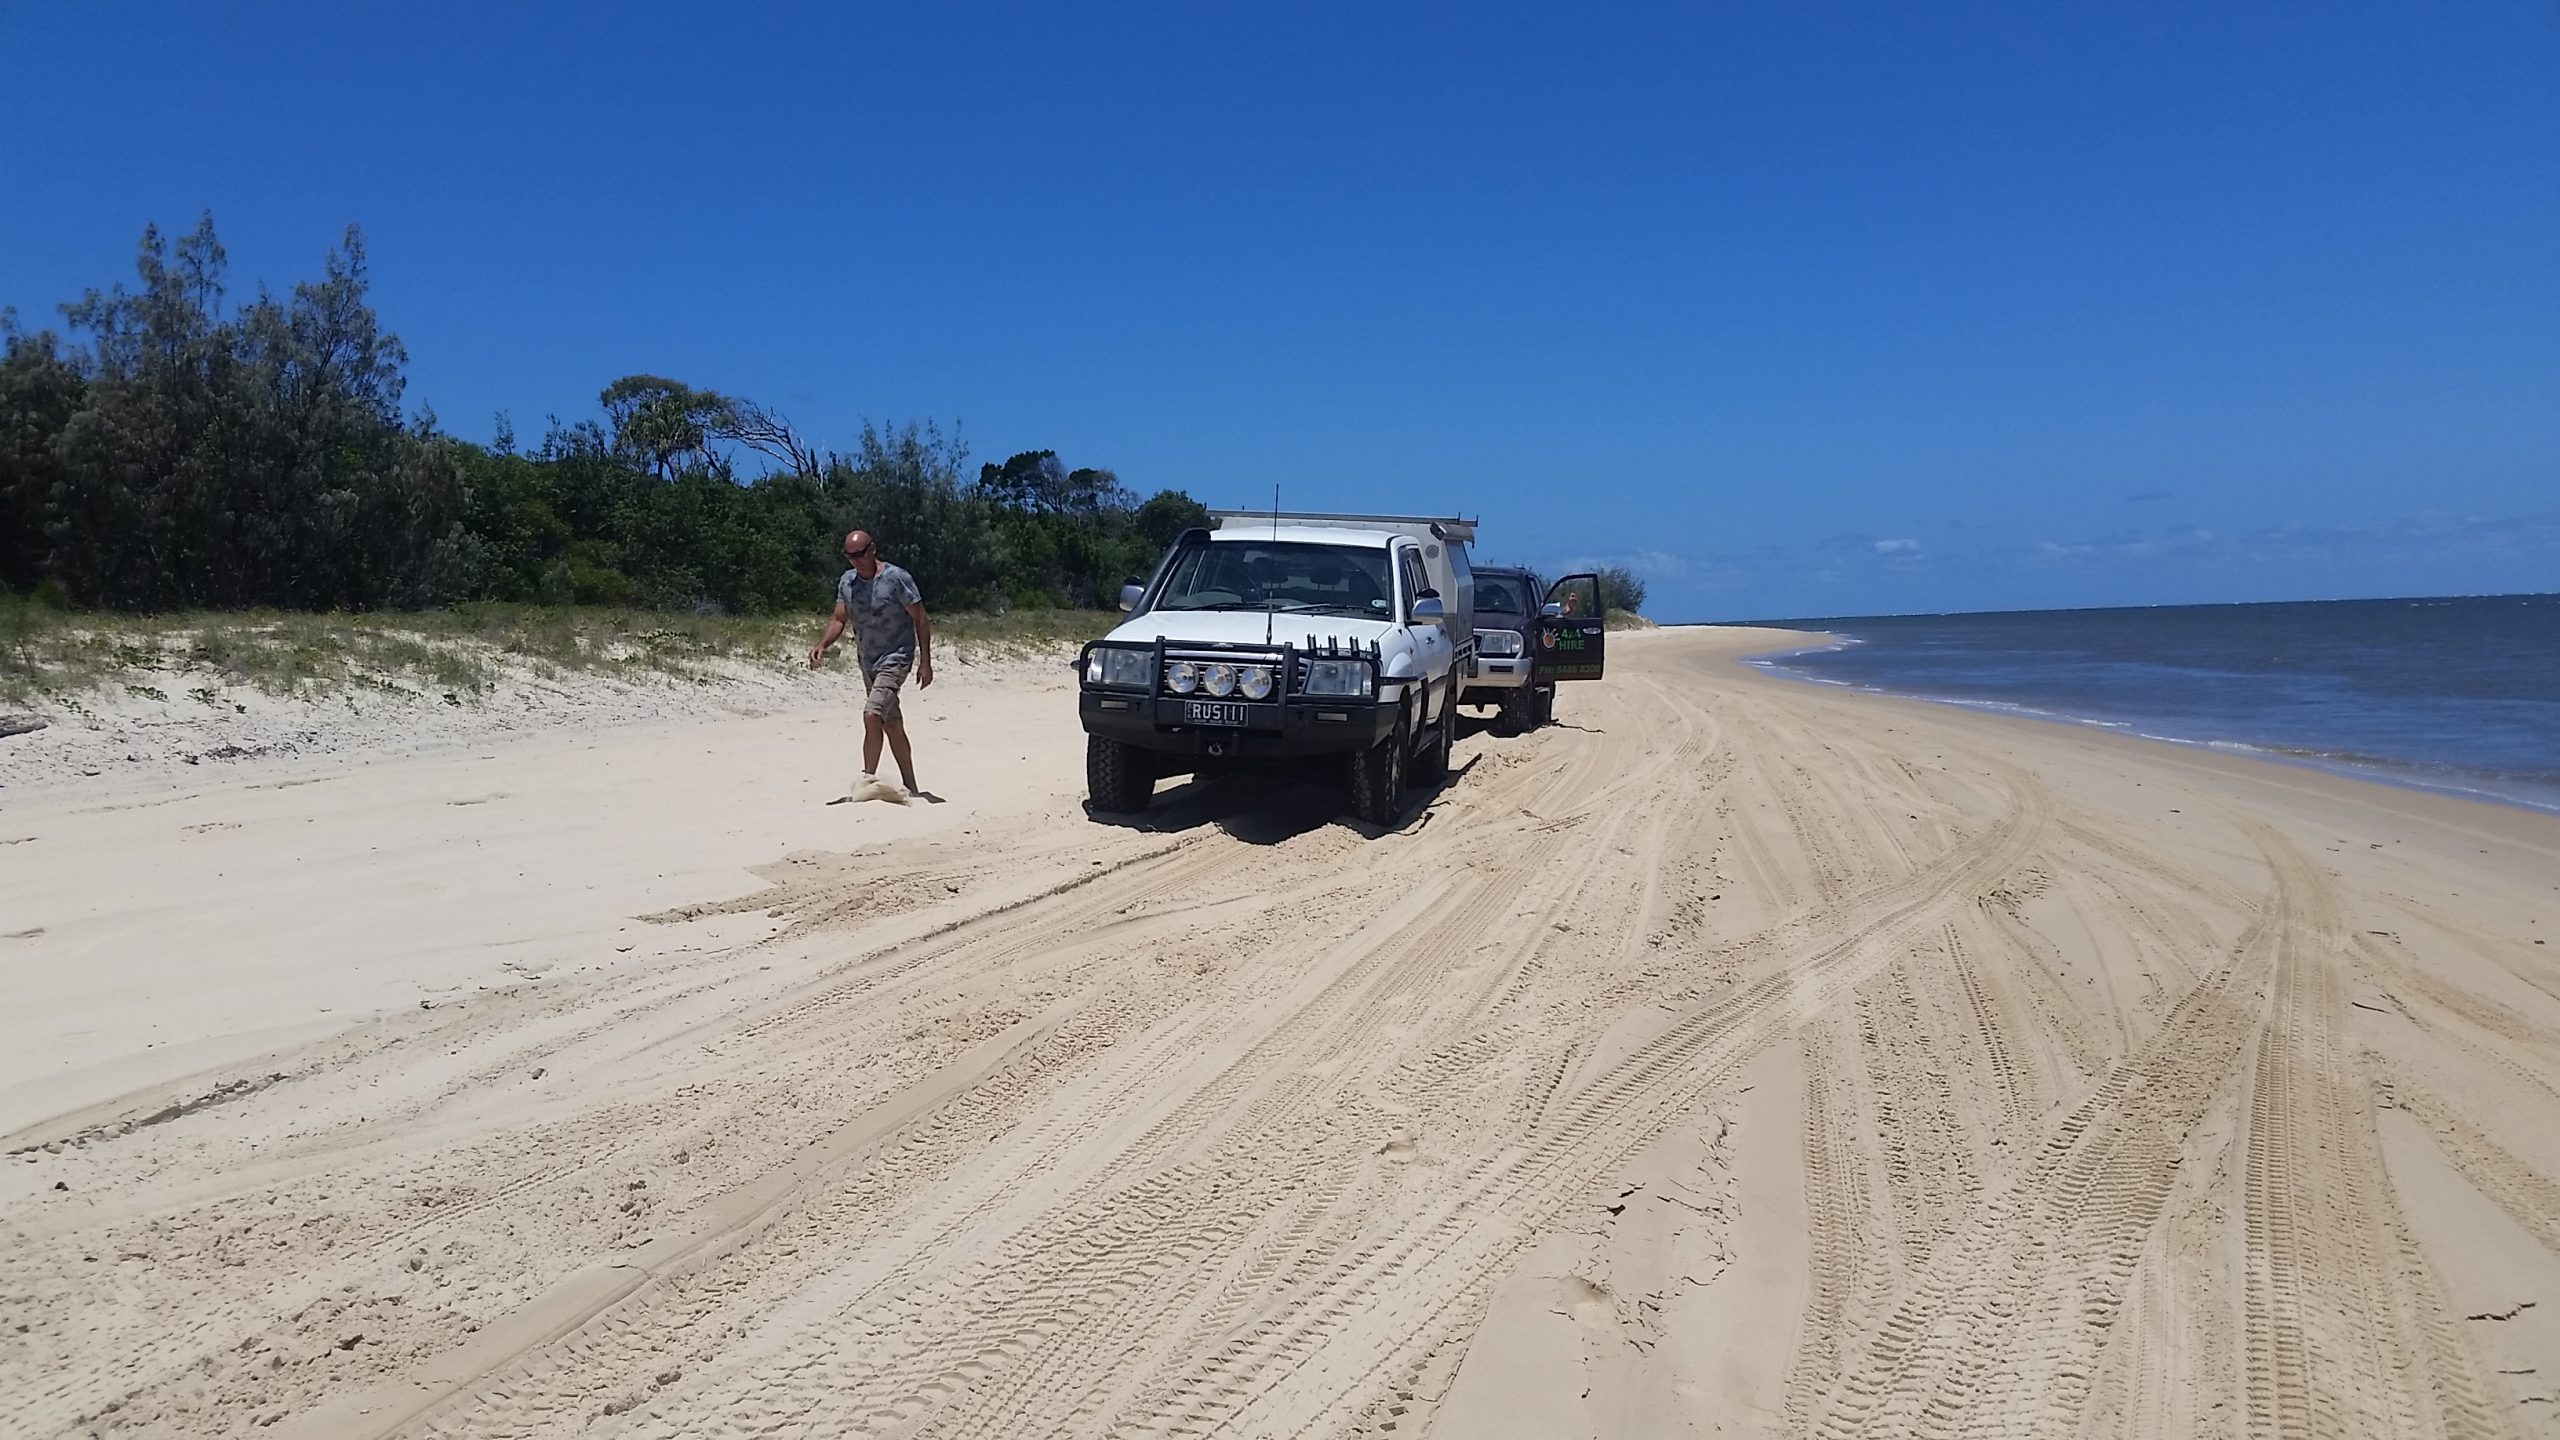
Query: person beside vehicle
892	635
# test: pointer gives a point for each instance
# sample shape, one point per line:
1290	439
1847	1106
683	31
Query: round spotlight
1220	678
1183	676
1255	682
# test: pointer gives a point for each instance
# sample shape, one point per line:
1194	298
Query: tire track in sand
626	1331
592	1314
2000	1333
2344	1333
1382	1301
1239	1210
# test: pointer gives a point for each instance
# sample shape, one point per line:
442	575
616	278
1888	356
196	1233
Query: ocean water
2459	694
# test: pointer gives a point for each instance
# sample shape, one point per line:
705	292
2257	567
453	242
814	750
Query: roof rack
1447	527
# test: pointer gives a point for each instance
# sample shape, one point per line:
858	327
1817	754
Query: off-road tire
1377	778
1518	715
1432	765
1119	778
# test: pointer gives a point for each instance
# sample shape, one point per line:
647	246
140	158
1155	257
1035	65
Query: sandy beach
1738	1057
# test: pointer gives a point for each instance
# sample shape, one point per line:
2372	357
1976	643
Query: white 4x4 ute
1283	635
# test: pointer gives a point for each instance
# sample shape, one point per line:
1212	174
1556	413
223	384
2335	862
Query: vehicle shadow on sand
1473	727
1268	808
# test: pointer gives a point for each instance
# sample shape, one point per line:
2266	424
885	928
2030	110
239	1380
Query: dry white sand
1736	1058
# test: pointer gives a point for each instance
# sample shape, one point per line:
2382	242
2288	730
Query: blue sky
1799	309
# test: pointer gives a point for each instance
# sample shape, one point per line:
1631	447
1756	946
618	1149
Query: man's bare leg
898	748
871	731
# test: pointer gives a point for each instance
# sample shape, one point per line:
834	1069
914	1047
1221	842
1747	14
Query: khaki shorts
883	697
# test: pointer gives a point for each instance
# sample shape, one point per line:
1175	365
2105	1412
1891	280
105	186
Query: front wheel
1119	778
1377	778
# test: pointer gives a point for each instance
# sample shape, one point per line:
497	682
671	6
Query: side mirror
1551	610
1427	610
1131	594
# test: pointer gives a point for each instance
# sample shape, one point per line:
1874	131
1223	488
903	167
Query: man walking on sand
891	633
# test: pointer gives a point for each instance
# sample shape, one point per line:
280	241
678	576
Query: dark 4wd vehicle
1530	635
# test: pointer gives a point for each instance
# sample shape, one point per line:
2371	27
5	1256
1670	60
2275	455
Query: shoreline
2292	780
2392	774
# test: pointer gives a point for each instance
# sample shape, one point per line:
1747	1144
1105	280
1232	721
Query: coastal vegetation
1621	590
240	494
170	451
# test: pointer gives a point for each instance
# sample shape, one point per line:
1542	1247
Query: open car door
1573	632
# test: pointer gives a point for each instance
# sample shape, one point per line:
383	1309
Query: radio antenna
1270	615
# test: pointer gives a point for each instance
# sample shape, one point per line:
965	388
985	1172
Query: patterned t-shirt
884	635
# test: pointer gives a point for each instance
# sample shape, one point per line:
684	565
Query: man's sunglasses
852	554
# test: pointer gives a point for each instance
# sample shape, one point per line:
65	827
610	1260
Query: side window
1579	595
1411	568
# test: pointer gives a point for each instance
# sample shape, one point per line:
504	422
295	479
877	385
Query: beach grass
460	654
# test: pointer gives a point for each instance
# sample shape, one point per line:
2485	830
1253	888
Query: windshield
1499	592
1279	575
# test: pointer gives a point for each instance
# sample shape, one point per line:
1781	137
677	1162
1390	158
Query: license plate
1213	712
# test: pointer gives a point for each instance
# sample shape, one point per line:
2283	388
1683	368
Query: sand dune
1737	1058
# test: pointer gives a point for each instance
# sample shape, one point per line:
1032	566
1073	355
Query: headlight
1112	665
1498	642
1219	679
1182	676
1255	682
1349	679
